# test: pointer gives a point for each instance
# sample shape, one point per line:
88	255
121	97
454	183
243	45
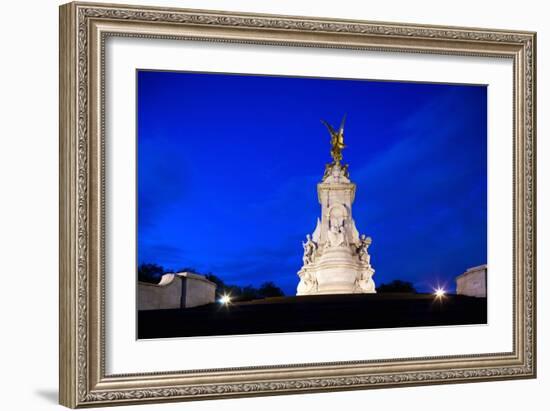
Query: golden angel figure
336	140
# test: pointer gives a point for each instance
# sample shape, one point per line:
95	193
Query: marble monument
336	257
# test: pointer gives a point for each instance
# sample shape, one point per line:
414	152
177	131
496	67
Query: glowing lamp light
225	299
439	292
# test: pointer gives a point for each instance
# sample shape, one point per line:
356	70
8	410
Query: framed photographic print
259	204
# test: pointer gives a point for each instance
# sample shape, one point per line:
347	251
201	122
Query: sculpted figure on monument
309	250
336	170
336	141
336	235
363	248
364	282
308	283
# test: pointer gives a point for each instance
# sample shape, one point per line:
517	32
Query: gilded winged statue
336	140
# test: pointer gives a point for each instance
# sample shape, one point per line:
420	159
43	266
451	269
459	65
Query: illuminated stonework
336	258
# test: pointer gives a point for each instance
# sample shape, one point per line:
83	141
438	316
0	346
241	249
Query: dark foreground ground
313	313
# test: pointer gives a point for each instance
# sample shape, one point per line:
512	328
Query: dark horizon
239	207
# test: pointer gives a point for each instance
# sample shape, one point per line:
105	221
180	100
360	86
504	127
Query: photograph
260	203
273	204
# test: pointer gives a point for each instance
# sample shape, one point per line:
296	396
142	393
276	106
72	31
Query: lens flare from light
225	299
439	292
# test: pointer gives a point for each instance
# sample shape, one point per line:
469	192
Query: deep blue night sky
228	167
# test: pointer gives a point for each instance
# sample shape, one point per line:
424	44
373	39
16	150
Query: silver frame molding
83	30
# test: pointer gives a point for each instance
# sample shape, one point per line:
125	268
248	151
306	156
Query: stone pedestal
336	258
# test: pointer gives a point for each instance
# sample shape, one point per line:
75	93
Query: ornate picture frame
84	28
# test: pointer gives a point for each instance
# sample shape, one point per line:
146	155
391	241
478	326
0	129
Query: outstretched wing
329	127
341	131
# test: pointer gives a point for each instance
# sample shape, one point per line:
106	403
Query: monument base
338	271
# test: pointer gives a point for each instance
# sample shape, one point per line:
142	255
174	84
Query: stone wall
179	290
473	282
197	290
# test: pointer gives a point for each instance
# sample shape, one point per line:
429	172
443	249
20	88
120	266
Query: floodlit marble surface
336	258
